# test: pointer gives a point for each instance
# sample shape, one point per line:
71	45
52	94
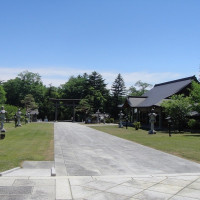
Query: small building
139	107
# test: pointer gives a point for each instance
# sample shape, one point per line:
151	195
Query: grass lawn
185	145
31	142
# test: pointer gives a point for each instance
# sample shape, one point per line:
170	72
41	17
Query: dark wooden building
139	107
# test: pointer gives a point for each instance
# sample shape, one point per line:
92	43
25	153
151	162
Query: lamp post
120	119
169	125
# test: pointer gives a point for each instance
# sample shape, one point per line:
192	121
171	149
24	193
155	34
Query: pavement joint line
150	187
70	188
185	187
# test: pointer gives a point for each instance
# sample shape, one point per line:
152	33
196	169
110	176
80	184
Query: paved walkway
156	187
92	165
83	151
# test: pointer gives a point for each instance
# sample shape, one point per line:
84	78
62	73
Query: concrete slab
15	190
30	172
38	164
102	188
152	195
188	192
63	190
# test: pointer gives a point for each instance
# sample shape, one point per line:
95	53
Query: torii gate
69	102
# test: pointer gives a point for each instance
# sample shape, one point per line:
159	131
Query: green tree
84	108
47	108
142	88
96	91
118	88
96	81
13	90
195	96
74	88
2	95
118	91
26	83
11	110
31	84
178	108
29	103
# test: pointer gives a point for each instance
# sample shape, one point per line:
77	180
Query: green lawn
32	141
185	145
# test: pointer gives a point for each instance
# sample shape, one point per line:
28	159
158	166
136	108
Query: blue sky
149	40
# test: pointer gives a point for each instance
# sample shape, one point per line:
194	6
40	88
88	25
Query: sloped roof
33	112
135	101
161	91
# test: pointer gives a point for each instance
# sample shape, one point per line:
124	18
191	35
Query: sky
149	40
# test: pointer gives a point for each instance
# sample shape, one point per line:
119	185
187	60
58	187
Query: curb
53	171
9	171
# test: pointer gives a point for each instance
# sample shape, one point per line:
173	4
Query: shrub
192	123
108	120
112	120
137	125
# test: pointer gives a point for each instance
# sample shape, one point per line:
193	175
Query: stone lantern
120	119
2	117
152	120
18	115
98	113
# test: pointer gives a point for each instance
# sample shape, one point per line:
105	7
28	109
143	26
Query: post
160	119
73	111
169	125
56	111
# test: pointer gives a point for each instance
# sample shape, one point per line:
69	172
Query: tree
84	108
96	81
30	77
142	88
31	84
118	88
12	88
178	108
118	91
11	110
74	88
97	92
2	95
29	103
195	96
47	108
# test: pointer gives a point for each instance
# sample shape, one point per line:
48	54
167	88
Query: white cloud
57	76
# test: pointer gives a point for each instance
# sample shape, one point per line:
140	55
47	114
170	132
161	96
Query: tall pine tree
118	91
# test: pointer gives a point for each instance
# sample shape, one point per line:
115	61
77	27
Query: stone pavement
92	165
83	151
155	187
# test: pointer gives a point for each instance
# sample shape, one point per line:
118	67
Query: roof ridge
174	81
137	96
